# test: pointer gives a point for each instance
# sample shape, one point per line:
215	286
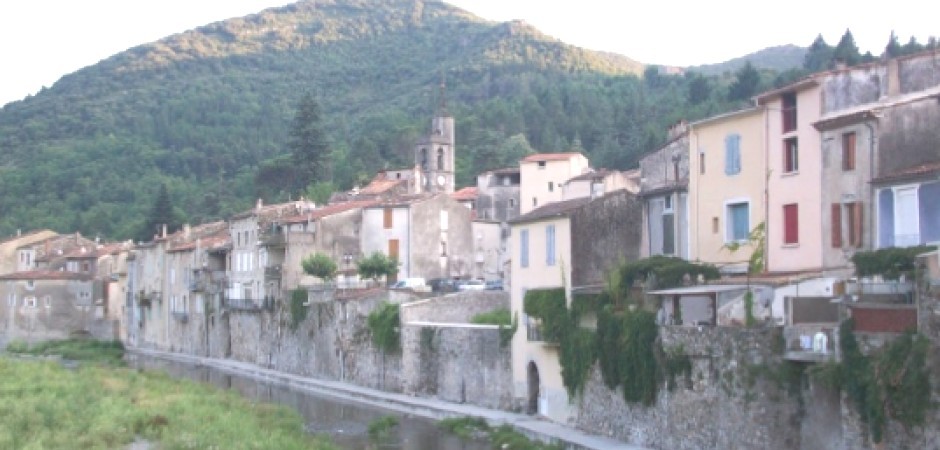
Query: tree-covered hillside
203	110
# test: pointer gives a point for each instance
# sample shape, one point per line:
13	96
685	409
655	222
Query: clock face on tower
441	180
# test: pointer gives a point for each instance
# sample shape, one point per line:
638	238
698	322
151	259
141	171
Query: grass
380	427
102	407
106	352
503	437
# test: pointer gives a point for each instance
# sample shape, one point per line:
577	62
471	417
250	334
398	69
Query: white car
472	285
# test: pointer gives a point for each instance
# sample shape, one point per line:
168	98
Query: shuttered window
791	220
853	219
388	218
524	248
848	151
836	225
732	154
550	245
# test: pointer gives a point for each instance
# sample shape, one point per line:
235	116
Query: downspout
766	189
871	176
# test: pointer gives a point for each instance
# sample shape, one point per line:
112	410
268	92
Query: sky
42	40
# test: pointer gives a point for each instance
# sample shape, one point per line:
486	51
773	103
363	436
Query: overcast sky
42	40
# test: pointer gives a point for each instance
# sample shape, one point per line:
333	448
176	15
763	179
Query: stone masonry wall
729	405
458	307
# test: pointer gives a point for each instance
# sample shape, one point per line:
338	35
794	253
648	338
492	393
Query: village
768	206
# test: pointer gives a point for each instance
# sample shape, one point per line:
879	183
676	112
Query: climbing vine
890	263
893	383
298	307
384	325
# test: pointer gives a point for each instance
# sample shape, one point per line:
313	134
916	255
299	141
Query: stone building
17	253
42	305
664	188
429	235
543	175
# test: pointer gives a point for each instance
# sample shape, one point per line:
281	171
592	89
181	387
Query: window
535	202
791	224
550	245
789	112
523	248
440	159
30	285
443	248
30	301
512	202
732	154
387	219
551	187
715	225
853	223
48	301
541	165
848	151
836	225
739	227
701	161
791	156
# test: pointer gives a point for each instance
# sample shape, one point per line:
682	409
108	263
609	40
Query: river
346	423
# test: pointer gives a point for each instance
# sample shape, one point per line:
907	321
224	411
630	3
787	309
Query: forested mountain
780	58
205	111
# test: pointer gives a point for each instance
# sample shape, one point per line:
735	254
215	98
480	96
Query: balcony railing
272	272
249	304
181	316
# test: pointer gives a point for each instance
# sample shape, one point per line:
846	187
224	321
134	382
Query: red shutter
791	230
836	225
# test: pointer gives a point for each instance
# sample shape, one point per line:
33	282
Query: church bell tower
434	155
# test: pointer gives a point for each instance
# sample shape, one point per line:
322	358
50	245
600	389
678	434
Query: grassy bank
107	352
45	405
503	437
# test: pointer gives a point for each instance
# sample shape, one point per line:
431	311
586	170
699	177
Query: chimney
259	204
163	231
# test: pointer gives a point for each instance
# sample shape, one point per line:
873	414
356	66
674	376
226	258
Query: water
346	423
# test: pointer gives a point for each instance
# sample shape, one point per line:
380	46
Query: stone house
254	279
571	244
498	194
42	305
148	325
543	175
17	253
664	181
429	235
726	189
332	230
596	183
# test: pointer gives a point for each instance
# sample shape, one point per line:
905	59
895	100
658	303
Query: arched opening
534	382
440	159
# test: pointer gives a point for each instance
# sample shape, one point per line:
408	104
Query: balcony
249	304
272	272
180	316
273	240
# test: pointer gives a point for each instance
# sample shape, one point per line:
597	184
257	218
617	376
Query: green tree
893	49
912	46
376	266
846	51
310	151
745	83
320	192
162	213
818	55
320	266
699	89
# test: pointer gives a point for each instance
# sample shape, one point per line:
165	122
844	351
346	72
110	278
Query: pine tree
310	150
162	213
846	51
699	89
818	56
745	83
893	49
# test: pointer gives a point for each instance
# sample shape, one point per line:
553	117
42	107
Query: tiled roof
217	241
467	193
556	209
595	175
328	210
402	200
46	275
922	170
30	234
380	186
551	157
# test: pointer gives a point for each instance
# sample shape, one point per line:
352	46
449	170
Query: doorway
534	394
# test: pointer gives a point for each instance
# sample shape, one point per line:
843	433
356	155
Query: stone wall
613	224
730	402
458	307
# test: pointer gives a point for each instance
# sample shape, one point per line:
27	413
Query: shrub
384	324
320	266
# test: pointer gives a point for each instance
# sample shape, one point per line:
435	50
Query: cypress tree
310	150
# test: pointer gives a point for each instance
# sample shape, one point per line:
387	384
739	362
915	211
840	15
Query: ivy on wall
890	263
893	383
383	323
298	307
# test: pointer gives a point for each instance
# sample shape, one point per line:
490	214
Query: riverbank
423	407
64	404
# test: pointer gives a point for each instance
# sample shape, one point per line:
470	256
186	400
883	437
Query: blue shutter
524	248
927	196
732	154
550	245
885	218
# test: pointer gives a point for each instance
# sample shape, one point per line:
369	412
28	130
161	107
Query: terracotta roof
467	193
402	200
46	275
380	186
218	241
551	157
923	170
271	211
328	210
29	234
556	209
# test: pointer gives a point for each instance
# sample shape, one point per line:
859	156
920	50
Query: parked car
472	285
409	283
494	285
443	284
